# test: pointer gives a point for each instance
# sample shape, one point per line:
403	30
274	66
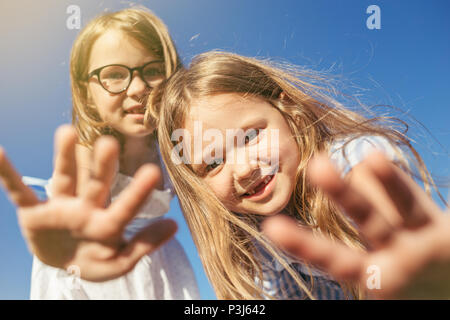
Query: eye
252	134
213	165
152	72
115	75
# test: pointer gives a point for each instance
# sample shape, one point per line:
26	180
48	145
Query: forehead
226	111
116	47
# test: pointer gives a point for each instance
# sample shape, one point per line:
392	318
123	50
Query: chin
139	132
271	208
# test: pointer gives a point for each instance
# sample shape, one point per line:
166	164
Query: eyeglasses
116	78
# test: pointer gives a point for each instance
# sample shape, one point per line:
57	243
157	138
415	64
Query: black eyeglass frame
140	69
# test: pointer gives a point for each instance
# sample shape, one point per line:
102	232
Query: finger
146	241
56	215
106	153
65	172
18	192
125	207
338	260
412	203
372	225
363	179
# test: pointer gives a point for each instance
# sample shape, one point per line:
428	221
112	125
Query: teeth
136	110
250	193
265	181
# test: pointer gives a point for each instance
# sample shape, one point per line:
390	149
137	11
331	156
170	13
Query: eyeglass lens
117	78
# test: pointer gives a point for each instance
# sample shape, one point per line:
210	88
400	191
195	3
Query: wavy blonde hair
138	23
225	240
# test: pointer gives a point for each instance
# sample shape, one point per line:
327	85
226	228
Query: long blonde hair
225	240
140	24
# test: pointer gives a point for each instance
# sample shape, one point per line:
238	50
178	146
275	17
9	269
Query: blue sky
405	63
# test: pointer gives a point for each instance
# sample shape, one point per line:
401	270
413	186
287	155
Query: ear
285	99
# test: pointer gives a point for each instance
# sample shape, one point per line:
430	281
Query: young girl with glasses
286	119
116	61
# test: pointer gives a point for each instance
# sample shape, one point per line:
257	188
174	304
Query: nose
138	87
243	171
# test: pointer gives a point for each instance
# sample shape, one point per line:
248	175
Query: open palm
406	233
81	230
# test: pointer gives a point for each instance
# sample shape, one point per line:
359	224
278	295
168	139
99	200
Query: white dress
163	274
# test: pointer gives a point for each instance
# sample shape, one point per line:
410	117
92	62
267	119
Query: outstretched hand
408	235
70	230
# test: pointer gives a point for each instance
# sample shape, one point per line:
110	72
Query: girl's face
244	178
123	111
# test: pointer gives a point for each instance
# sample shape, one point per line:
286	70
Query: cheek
105	102
222	188
290	161
288	149
289	155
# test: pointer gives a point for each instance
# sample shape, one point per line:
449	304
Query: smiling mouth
137	110
259	187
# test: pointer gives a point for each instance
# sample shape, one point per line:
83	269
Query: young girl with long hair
116	61
225	201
